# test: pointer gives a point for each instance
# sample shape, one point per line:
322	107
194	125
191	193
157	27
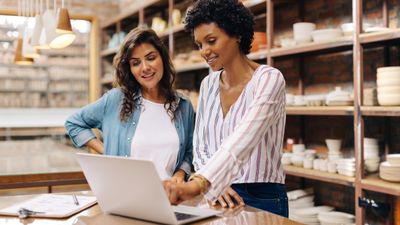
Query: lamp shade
65	35
27	50
38	39
18	58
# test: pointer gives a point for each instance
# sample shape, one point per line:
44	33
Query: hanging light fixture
38	39
63	28
27	50
19	59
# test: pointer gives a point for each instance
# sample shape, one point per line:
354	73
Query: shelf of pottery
58	78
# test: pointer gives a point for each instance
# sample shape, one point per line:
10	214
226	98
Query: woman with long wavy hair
143	117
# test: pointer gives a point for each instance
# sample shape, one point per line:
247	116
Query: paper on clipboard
52	205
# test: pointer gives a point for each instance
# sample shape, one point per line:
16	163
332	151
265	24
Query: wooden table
94	216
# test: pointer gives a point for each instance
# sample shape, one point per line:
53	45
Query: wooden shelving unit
320	110
374	183
319	175
380	110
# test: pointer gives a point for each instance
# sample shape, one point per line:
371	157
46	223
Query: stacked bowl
309	215
346	166
371	154
335	218
388	85
390	169
334	146
302	32
298	154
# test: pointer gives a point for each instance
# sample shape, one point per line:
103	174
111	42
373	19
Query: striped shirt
245	146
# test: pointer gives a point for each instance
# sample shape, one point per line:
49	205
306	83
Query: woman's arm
79	125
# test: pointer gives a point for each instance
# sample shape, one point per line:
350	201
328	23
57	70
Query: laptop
132	188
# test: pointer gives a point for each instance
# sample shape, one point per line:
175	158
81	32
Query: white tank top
156	139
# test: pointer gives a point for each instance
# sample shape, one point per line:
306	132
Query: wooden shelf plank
138	5
189	67
107	80
23	132
374	183
313	46
380	110
45	179
380	36
320	110
175	29
319	175
108	52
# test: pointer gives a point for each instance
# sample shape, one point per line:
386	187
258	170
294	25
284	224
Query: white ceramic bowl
389	90
388	81
389	99
302	32
393	159
326	34
333	144
392	74
372	141
297	148
388	69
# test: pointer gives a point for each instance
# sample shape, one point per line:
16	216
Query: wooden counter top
94	216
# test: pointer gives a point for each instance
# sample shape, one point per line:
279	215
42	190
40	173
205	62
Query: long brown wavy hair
127	82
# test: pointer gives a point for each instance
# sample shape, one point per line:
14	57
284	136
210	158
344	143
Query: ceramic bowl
393	159
388	90
389	99
302	32
388	69
383	81
333	144
326	34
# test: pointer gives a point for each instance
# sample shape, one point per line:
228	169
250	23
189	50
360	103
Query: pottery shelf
320	110
319	175
380	110
109	52
374	183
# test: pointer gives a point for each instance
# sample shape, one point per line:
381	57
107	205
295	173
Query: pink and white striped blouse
245	146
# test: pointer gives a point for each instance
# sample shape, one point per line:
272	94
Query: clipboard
52	205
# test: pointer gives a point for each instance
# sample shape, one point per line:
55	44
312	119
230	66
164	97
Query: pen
75	199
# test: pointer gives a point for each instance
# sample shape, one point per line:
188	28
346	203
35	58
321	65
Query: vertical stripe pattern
246	145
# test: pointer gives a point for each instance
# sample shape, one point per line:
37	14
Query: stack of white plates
346	166
390	169
339	97
309	215
370	97
335	218
302	32
298	154
300	198
388	83
371	154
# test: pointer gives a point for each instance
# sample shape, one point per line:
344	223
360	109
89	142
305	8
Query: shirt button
129	139
133	123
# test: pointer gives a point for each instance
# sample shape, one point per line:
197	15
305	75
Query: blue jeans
270	197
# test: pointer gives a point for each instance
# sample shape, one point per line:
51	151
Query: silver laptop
132	188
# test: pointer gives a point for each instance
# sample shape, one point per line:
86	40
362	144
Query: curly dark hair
127	82
230	15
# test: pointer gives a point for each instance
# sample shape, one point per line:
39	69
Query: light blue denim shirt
117	135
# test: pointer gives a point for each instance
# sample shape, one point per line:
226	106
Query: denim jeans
270	197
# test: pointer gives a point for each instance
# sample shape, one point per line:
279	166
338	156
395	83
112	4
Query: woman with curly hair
240	117
144	107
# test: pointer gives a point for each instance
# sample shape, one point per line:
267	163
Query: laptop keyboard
183	216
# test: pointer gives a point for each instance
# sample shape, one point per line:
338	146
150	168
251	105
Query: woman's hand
229	199
178	177
96	145
179	192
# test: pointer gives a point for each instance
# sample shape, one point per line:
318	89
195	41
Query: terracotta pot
260	40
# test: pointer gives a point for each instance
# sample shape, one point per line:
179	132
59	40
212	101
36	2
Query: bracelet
201	182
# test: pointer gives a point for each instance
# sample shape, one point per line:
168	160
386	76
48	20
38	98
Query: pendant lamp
65	35
18	58
27	50
38	39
